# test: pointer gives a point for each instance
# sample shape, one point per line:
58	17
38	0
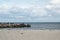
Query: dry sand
29	35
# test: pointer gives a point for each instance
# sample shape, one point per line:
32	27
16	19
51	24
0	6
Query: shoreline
26	29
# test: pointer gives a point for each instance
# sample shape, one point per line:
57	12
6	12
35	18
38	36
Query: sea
38	26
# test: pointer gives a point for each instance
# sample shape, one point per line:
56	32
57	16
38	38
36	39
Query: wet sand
29	34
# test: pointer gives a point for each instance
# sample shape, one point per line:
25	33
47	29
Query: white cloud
32	10
49	7
55	1
5	6
49	15
27	9
39	12
54	6
19	17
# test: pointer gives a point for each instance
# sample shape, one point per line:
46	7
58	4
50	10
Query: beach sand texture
29	35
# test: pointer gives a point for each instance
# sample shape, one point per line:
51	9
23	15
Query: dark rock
12	25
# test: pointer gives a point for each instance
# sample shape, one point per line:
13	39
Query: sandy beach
29	34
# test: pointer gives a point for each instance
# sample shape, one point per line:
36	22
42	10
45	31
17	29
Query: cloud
56	2
21	12
49	6
18	17
54	6
39	11
30	10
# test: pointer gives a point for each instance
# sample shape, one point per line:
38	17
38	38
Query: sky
29	10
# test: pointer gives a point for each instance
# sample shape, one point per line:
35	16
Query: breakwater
13	25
